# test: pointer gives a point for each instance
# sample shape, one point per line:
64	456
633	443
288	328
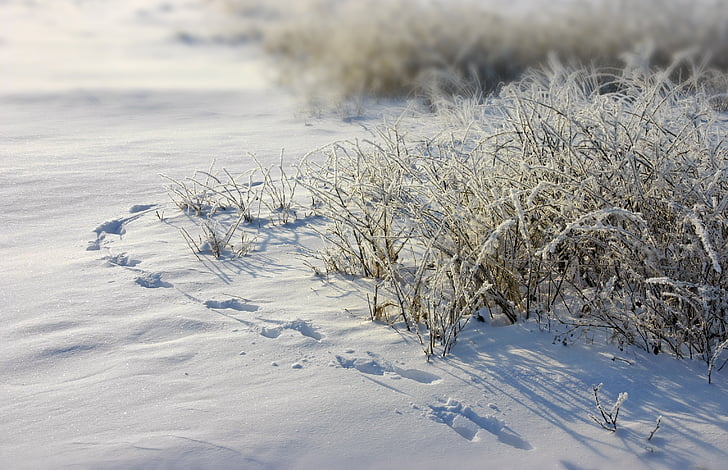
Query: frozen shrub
609	418
344	48
596	197
641	227
221	204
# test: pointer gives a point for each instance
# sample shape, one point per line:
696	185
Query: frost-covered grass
222	205
340	49
121	349
596	198
600	206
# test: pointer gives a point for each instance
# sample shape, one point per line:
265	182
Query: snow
122	349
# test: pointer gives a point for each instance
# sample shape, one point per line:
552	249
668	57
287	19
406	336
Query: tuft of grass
347	48
593	197
222	204
216	239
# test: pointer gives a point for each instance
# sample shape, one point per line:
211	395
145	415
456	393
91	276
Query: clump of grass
347	48
591	196
217	239
222	204
277	193
641	234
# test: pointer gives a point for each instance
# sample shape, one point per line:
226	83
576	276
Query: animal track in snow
113	227
417	375
145	279
122	259
302	326
151	280
110	227
363	365
232	304
466	422
271	332
117	226
141	208
375	366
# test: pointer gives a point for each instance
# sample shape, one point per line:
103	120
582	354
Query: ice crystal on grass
577	198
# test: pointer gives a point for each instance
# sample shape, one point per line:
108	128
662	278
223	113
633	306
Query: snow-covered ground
121	349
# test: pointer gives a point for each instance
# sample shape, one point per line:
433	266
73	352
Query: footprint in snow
151	280
145	279
141	208
417	375
375	366
271	333
122	259
110	227
363	365
302	326
468	424
117	226
232	304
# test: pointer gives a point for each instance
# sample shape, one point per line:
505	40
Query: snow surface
120	349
